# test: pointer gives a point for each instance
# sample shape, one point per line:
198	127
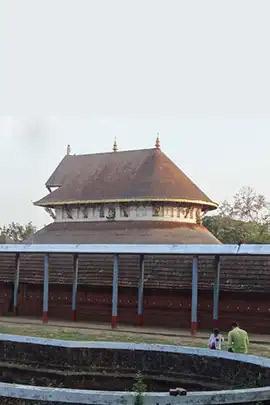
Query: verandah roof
194	250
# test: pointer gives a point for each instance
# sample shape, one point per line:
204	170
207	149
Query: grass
66	333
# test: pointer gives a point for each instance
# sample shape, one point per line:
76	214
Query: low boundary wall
244	365
27	395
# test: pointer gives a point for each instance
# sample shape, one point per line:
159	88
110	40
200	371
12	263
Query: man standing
238	339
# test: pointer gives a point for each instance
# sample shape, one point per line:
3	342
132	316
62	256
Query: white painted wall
143	212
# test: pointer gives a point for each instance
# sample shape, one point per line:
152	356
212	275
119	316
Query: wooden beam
135	249
140	292
16	285
194	301
45	289
115	291
75	286
216	289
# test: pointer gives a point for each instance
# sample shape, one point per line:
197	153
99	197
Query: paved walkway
148	331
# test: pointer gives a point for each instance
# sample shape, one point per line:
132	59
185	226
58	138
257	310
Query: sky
81	72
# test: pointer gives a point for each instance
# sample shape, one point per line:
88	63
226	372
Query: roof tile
119	176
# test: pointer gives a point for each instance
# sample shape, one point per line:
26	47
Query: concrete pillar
140	292
216	289
194	301
45	289
16	285
115	290
75	286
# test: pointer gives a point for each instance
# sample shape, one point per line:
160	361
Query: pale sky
84	71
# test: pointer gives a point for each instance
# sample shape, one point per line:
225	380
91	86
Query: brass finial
115	148
157	145
68	150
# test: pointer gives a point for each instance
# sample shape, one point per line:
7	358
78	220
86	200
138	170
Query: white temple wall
58	214
118	212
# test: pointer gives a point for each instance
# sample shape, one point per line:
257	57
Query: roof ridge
113	153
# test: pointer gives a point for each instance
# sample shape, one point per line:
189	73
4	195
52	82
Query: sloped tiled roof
121	176
150	232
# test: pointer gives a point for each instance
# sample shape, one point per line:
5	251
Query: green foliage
139	388
229	230
16	233
244	220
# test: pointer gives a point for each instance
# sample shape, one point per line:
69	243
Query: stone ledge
250	359
67	396
36	352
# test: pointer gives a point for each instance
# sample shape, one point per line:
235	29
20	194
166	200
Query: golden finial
157	145
115	148
68	150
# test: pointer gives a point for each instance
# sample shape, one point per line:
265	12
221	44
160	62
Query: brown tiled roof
123	232
121	176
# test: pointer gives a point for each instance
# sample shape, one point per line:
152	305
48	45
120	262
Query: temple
137	196
133	201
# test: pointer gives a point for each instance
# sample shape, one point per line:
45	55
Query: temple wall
129	212
164	308
245	287
247	274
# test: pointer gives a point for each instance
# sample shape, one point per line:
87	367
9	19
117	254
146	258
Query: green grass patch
53	332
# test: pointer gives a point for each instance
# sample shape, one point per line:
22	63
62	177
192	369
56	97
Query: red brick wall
162	308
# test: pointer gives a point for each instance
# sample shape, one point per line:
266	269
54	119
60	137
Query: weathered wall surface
161	308
245	288
212	368
237	273
78	365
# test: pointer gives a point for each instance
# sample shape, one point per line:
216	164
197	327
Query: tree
17	233
229	230
247	206
245	220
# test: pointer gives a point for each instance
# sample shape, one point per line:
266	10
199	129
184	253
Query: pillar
115	290
75	286
16	285
216	289
45	289
194	301
140	292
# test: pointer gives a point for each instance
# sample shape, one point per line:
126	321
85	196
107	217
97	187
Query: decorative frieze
124	211
158	210
101	211
51	212
85	211
130	212
111	213
141	211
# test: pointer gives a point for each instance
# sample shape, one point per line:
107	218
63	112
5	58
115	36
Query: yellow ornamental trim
126	200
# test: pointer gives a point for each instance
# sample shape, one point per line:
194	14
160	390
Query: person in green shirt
238	339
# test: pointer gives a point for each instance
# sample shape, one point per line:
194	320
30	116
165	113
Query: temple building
137	196
131	197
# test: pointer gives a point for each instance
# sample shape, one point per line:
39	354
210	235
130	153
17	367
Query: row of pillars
114	319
